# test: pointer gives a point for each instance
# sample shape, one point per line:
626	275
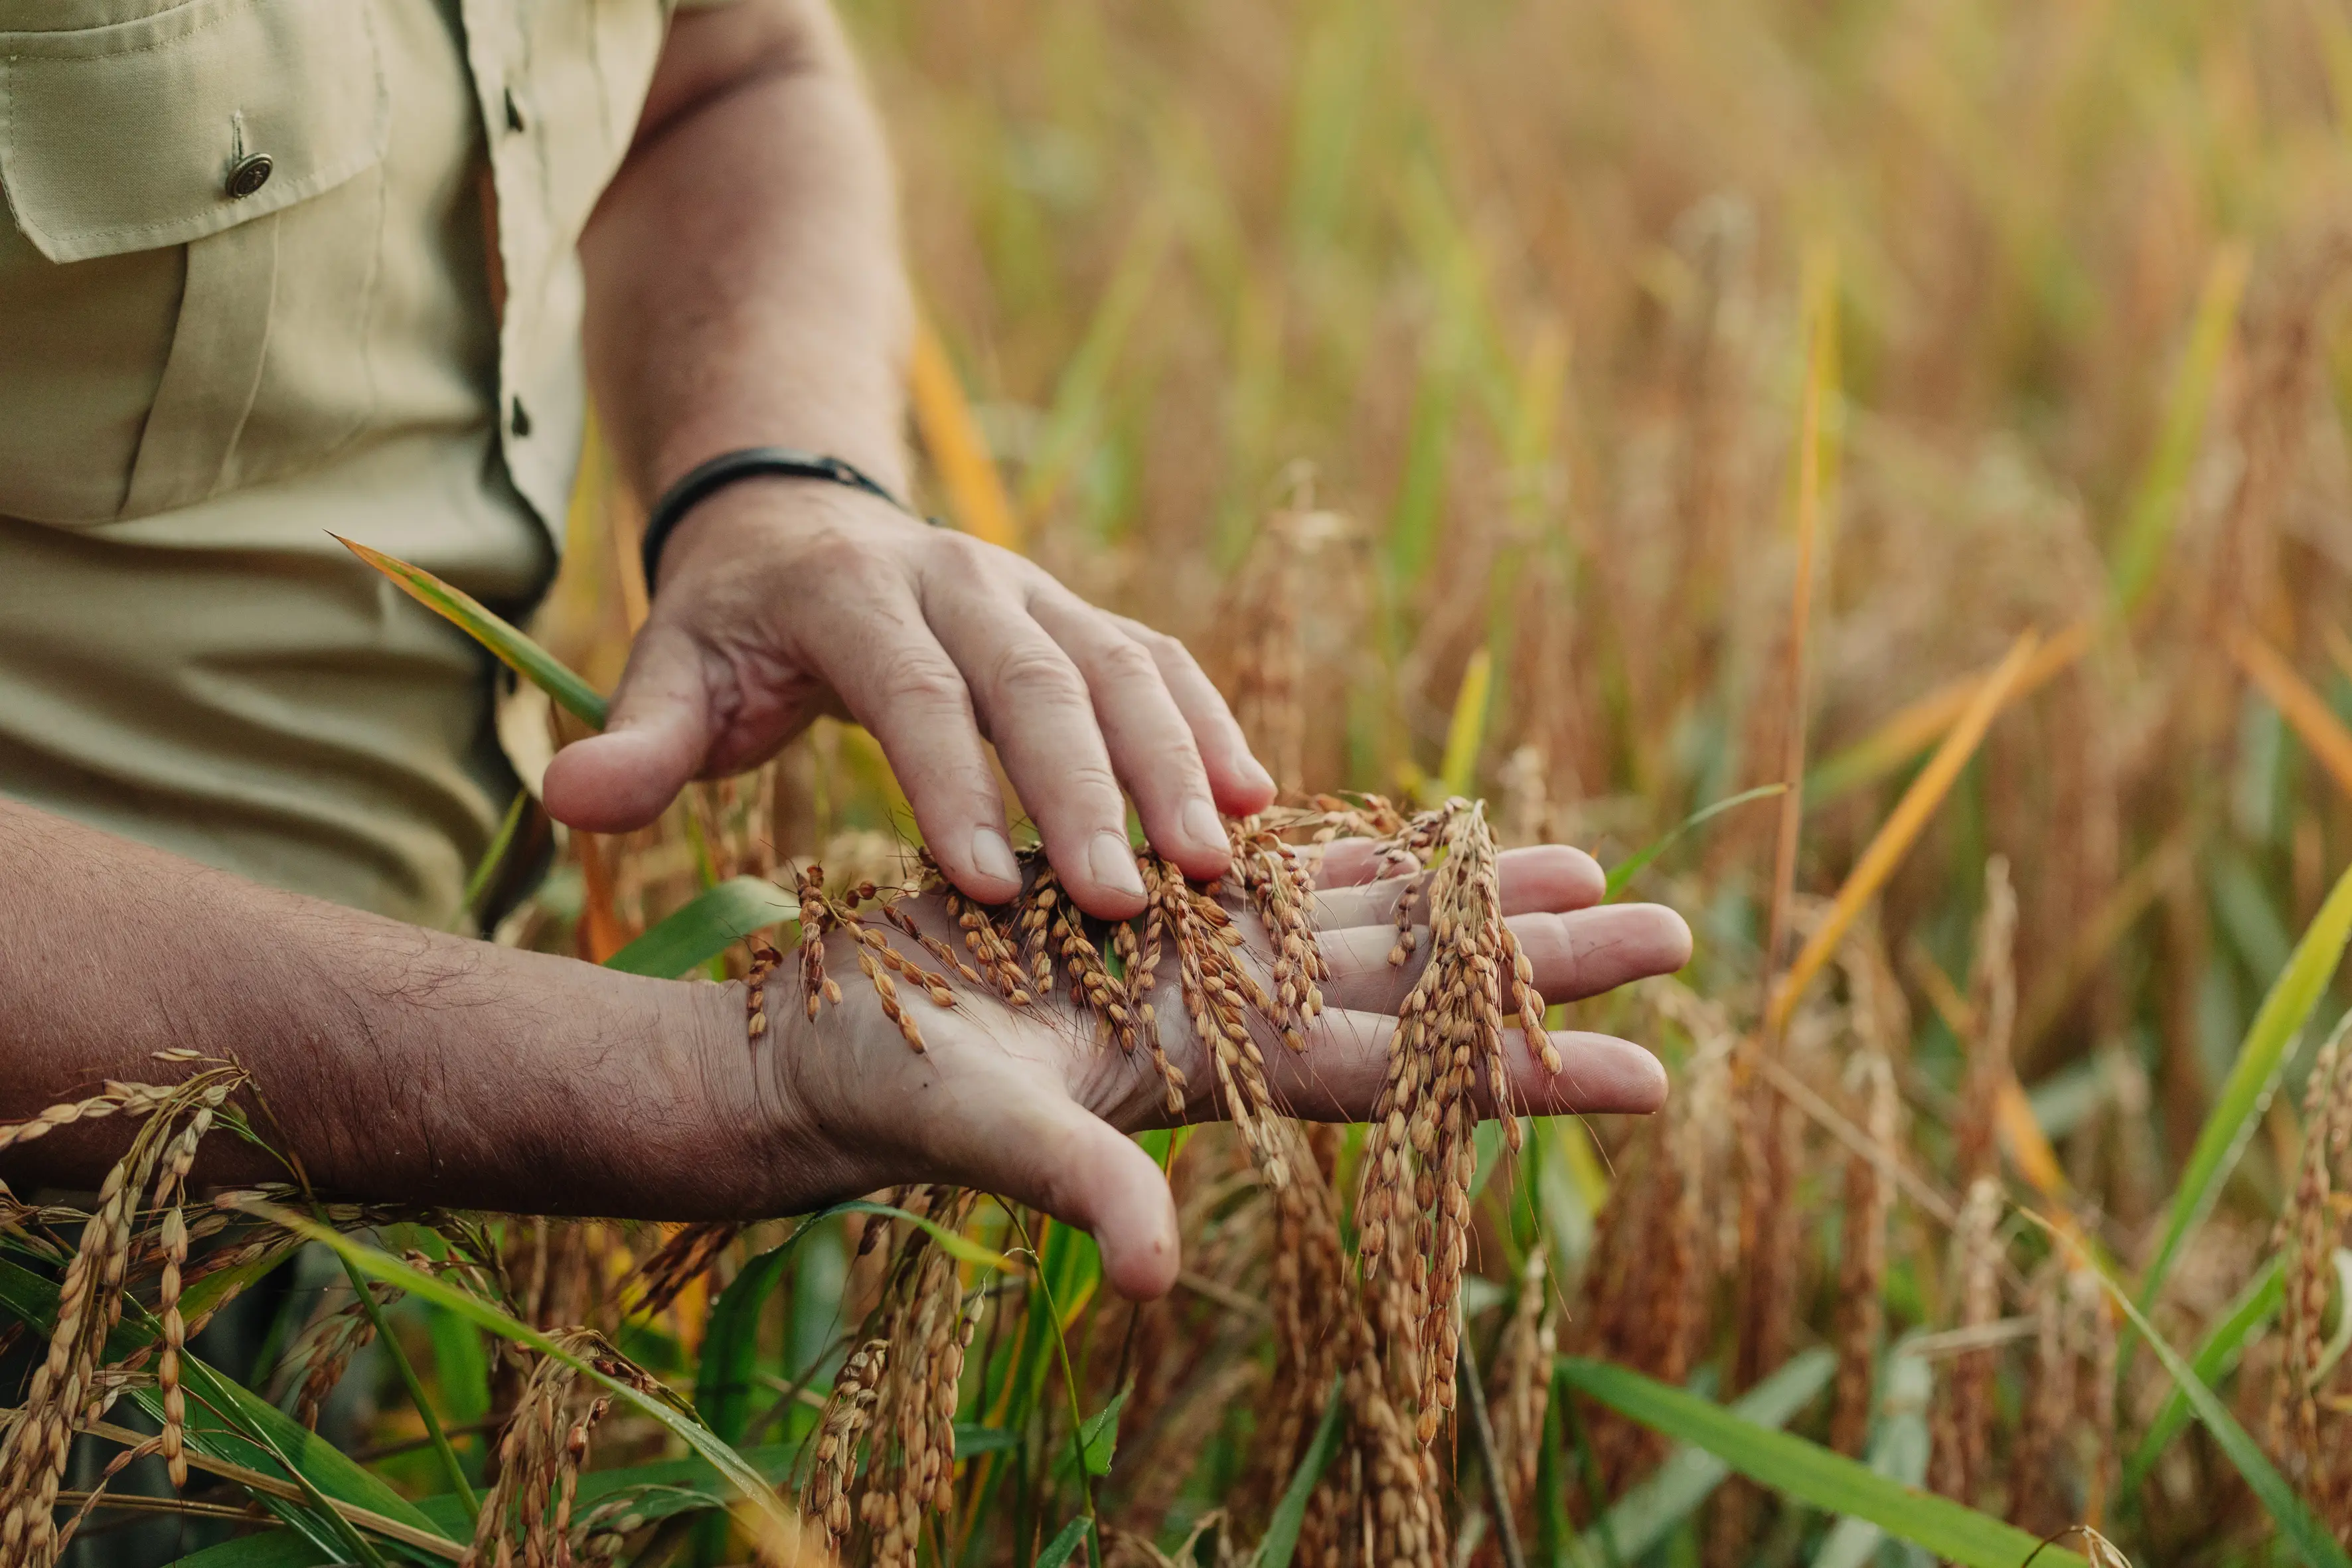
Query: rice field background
1928	427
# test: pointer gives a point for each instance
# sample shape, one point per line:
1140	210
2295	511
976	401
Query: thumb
656	737
1077	1168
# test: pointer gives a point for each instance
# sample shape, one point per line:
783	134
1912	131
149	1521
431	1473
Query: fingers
1337	1078
1544	876
1242	785
1581	953
1153	747
898	681
1037	708
656	735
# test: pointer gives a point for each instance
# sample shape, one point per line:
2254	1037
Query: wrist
713	478
760	520
742	1149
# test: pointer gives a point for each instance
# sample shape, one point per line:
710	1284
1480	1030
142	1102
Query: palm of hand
1032	1103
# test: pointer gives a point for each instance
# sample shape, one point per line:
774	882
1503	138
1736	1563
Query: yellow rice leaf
975	492
2028	1150
517	651
2313	722
1917	725
1894	836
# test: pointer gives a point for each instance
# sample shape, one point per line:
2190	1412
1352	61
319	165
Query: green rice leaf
971	1439
961	1248
1097	1438
706	926
1063	1547
1467	729
2311	1539
383	1266
1813	1474
486	868
1647	1513
1899	1449
265	1549
730	1342
515	651
224	1420
2255	1306
2254	1078
1626	871
663	1488
1281	1540
2149	527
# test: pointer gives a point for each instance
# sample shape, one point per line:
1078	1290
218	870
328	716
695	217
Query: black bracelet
751	462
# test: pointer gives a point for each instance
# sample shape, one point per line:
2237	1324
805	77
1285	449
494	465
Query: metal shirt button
249	176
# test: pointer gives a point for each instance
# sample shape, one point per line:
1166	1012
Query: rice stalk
527	1514
68	1388
1964	1412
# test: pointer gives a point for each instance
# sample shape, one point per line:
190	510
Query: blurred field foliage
1609	409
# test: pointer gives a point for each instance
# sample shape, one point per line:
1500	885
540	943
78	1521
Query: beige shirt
207	361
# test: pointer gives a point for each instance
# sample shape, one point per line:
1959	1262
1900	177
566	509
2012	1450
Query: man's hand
744	289
784	599
1027	1103
410	1066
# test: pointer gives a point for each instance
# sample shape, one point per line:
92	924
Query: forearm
396	1064
744	286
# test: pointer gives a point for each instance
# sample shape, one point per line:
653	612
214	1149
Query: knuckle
1125	661
1157	646
927	683
1091	783
959	552
1036	671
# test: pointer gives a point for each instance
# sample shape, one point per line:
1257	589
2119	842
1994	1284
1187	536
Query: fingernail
1255	771
1113	865
992	857
1202	826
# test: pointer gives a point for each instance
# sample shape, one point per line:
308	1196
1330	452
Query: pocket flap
168	127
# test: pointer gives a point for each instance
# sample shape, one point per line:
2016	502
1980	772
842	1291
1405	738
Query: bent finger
1152	748
1037	709
1241	781
897	680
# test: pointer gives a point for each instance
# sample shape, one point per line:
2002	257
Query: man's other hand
783	599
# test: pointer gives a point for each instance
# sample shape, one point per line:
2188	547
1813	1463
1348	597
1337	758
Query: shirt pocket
156	160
